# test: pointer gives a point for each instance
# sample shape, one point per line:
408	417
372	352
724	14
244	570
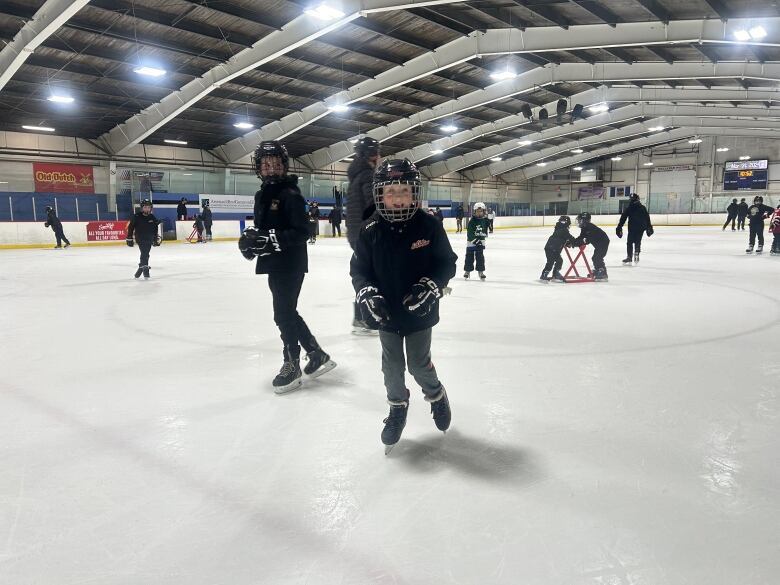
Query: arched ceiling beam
49	17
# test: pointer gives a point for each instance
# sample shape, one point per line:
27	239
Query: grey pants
418	359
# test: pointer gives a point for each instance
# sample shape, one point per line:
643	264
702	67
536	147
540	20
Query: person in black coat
402	263
207	222
314	221
757	213
334	218
181	209
459	218
55	224
638	224
278	241
142	228
553	248
732	210
597	237
742	211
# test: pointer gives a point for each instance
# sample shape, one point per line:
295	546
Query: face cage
395	215
255	162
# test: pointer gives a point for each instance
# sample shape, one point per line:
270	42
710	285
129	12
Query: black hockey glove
256	242
373	306
422	298
619	231
130	242
650	231
46	224
157	241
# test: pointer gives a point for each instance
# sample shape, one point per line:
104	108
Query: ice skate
749	249
319	363
467	275
361	328
636	258
138	272
760	249
394	424
601	275
482	276
627	261
440	409
558	277
544	277
67	245
288	378
146	271
58	247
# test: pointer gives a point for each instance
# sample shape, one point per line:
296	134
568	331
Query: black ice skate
627	260
440	409
544	277
138	272
289	377
601	275
482	276
67	245
749	249
558	277
760	249
146	272
319	363
394	424
636	258
467	275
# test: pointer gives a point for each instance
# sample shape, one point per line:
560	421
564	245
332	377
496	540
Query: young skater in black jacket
757	213
143	229
638	223
55	224
742	211
401	265
278	240
597	237
732	210
553	248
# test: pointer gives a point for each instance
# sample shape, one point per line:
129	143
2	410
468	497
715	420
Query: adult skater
732	210
206	216
560	237
143	229
638	223
55	224
757	213
459	218
774	229
181	209
278	240
334	218
742	211
476	234
360	203
597	237
402	263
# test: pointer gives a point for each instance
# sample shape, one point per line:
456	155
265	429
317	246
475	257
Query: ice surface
619	433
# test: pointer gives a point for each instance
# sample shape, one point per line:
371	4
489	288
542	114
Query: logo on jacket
274	205
420	244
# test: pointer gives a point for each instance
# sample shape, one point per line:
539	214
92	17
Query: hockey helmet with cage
396	172
145	202
268	149
565	221
481	206
758	199
583	219
367	147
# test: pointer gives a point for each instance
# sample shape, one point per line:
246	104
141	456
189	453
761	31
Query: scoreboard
745	174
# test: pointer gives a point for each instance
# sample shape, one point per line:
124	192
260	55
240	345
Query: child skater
553	248
590	233
476	233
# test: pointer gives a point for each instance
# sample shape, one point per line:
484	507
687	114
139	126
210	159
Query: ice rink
613	434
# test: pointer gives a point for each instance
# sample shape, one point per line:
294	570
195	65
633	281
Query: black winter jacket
732	209
360	195
637	216
591	234
394	256
206	214
53	221
281	207
559	238
181	210
743	209
758	212
143	227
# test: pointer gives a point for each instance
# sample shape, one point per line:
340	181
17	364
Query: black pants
460	224
634	242
599	251
732	219
285	288
144	246
554	260
741	222
757	229
776	243
207	225
471	252
335	227
490	225
60	235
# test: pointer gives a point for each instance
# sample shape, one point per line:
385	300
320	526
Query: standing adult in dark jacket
206	216
181	209
732	210
742	211
334	217
278	240
757	213
459	218
55	224
638	223
597	237
143	229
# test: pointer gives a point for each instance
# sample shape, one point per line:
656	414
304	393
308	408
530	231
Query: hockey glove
422	298
373	306
619	231
256	242
46	224
650	231
157	241
130	242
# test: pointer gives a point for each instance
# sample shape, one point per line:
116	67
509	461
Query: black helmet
734	200
758	199
583	219
564	220
146	202
269	148
367	147
742	200
401	172
49	208
634	197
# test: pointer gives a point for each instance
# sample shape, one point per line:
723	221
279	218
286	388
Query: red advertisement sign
106	231
57	178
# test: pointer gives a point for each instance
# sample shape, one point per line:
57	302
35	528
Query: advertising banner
106	231
229	203
584	193
58	178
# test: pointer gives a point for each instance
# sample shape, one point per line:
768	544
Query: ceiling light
745	157
695	141
39	128
577	168
525	143
722	149
655	128
757	33
541	164
502	75
244	125
742	35
150	71
588	170
648	164
339	108
324	12
174	141
449	128
60	99
577	150
437	151
187	174
602	107
496	159
616	158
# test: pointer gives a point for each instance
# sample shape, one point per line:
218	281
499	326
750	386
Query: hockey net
582	274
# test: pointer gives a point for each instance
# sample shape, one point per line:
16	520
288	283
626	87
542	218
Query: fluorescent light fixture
722	149
244	125
150	71
616	158
655	128
339	108
745	157
648	164
577	150
525	143
602	107
541	164
588	170
324	12
742	35
695	141
187	174
437	151
175	141
3	182
39	128
577	168
496	159
449	128
60	99
502	75
757	33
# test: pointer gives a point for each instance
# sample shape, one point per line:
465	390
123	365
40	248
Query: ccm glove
619	231
422	298
130	242
157	241
256	242
650	231
373	306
